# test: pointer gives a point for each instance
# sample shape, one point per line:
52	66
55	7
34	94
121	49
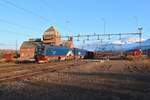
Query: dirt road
76	80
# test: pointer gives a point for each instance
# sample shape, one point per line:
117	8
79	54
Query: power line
15	24
25	10
8	31
100	35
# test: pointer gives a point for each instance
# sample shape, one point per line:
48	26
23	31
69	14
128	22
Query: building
68	43
52	37
30	49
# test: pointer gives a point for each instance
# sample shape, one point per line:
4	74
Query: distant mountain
122	45
144	45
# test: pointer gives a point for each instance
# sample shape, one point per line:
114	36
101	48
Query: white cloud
132	40
127	41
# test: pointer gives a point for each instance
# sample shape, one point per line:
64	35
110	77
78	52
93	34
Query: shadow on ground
34	91
118	76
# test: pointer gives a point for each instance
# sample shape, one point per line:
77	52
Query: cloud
127	41
133	40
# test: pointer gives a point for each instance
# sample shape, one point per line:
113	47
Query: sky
23	19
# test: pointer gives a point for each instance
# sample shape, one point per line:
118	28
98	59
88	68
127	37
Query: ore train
135	53
36	51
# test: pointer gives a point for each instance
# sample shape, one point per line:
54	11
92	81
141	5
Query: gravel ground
113	80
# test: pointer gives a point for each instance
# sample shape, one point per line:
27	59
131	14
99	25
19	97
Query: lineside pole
140	37
16	48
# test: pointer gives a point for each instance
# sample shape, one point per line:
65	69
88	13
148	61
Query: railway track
22	67
19	66
26	72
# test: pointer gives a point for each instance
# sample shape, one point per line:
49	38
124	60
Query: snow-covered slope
122	45
144	44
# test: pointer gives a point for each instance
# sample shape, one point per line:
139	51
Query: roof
50	29
29	44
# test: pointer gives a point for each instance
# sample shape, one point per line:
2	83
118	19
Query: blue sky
70	17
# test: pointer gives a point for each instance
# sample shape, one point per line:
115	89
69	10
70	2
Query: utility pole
140	36
120	38
104	23
137	24
101	41
16	48
68	28
83	44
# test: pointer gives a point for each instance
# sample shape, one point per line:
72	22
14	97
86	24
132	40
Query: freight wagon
104	55
134	53
79	53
